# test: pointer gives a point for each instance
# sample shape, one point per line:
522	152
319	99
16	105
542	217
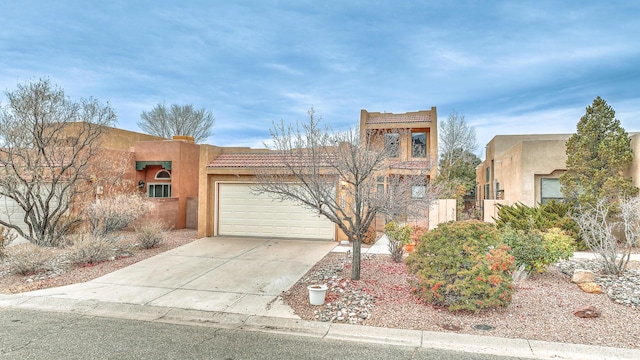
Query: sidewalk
235	283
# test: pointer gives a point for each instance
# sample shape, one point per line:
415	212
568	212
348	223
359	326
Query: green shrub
151	235
91	249
28	259
398	232
558	245
463	266
546	216
536	249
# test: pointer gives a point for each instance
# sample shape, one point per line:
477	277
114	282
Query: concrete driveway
229	274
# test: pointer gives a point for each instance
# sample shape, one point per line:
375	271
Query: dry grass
128	254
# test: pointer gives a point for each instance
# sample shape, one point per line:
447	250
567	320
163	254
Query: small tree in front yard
47	142
610	237
336	174
598	155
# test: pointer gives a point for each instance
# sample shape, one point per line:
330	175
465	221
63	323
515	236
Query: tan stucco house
228	206
527	168
208	187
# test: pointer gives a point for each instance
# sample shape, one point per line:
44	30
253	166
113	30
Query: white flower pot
317	293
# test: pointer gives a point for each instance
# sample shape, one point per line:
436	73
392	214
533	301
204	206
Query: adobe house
229	206
415	134
167	171
527	168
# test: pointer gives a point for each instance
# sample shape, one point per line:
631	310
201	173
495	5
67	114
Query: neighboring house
228	206
115	147
527	168
166	170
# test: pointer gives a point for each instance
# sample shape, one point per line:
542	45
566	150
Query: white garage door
13	214
241	212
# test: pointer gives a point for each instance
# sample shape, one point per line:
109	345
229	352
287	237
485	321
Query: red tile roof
255	160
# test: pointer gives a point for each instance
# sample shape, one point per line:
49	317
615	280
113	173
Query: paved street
30	334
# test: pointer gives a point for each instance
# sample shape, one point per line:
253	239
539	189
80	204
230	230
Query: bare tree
457	145
177	120
611	237
46	144
336	174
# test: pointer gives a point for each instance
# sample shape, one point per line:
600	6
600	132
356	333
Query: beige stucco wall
540	159
517	162
491	210
442	210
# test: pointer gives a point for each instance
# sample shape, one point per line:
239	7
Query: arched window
163	175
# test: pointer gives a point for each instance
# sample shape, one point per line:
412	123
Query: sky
510	67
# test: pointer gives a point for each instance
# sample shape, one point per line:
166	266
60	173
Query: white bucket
317	293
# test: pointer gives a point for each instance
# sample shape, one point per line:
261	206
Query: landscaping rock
590	287
586	312
582	276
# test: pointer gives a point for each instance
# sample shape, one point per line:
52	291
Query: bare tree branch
177	120
337	174
46	144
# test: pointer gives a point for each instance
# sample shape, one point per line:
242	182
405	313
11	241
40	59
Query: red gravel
542	307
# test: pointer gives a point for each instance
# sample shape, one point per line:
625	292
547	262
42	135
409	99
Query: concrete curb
488	345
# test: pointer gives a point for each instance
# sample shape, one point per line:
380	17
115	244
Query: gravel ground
62	275
542	306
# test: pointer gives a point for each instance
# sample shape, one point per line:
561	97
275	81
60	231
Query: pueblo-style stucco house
208	187
526	169
164	169
228	206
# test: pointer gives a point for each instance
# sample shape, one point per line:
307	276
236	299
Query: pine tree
597	156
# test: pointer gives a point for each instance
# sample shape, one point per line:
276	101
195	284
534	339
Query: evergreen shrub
463	266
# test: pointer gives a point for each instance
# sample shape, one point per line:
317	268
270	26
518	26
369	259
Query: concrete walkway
236	282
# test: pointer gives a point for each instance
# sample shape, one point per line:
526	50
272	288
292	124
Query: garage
13	214
243	213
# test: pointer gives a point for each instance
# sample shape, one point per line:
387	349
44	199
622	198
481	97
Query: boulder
582	276
586	312
591	288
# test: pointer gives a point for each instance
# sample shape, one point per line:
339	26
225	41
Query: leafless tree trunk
335	173
46	143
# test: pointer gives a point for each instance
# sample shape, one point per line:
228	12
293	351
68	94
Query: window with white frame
159	190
